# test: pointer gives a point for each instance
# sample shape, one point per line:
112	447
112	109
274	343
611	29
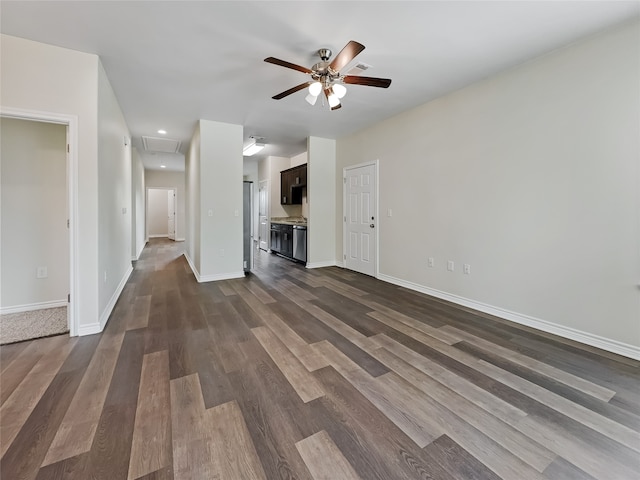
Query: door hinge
345	218
68	298
344	256
67	223
344	180
68	148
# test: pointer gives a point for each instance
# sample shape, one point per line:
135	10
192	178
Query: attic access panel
166	145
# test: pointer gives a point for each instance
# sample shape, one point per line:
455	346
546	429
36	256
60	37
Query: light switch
210	213
389	213
236	213
450	265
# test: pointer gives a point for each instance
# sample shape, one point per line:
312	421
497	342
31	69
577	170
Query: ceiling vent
155	144
359	68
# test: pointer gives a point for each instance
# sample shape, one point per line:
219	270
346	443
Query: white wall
157	213
214	207
34	213
250	174
532	178
138	218
114	198
162	179
321	194
44	78
192	207
221	192
274	166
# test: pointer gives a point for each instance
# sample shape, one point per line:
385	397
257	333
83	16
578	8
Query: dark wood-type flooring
310	374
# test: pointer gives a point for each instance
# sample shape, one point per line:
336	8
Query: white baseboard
587	338
211	278
112	302
89	329
220	276
327	263
165	235
180	239
29	307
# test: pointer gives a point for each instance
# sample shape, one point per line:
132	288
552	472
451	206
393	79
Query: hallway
310	374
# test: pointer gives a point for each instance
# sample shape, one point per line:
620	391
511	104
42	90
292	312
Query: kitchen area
288	234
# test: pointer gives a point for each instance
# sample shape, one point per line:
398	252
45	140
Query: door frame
71	122
376	164
146	208
265	184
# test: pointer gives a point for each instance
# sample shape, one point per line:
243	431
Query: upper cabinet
291	182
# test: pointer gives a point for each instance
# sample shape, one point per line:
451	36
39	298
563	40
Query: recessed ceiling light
162	132
163	166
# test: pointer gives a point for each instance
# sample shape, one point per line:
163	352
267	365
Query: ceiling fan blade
291	90
347	54
369	81
282	63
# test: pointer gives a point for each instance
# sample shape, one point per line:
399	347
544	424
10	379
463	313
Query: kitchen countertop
290	220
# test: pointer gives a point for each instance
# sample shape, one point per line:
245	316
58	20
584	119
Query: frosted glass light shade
333	100
339	90
315	89
311	99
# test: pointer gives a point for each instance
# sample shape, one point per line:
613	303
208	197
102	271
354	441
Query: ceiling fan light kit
326	76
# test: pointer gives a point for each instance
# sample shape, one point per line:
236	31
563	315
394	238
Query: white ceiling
173	62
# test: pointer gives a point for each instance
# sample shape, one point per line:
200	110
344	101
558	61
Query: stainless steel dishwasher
300	243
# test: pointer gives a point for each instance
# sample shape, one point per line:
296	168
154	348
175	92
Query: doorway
360	207
263	214
39	208
161	213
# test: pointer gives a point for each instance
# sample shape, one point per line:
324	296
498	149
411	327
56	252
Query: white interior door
360	239
171	210
263	215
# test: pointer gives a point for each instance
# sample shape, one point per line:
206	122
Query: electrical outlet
105	276
210	213
466	269
431	262
236	213
450	266
41	272
389	213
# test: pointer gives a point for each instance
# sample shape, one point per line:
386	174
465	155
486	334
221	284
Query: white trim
326	263
29	307
71	121
587	338
211	278
180	239
376	164
89	329
114	298
159	236
220	276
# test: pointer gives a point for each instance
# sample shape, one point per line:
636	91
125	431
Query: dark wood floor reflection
310	374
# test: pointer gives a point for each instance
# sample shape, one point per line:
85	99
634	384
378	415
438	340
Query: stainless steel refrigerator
247	225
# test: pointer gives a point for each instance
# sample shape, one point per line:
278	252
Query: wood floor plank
398	408
476	395
457	461
151	444
590	388
297	375
25	454
324	460
234	453
16	410
79	424
532	453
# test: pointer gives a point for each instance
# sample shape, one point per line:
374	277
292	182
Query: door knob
372	225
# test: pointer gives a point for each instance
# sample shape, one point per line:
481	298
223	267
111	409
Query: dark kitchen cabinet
282	239
292	182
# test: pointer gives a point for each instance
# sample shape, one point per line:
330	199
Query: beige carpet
17	327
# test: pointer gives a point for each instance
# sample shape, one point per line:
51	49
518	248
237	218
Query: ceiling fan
326	77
